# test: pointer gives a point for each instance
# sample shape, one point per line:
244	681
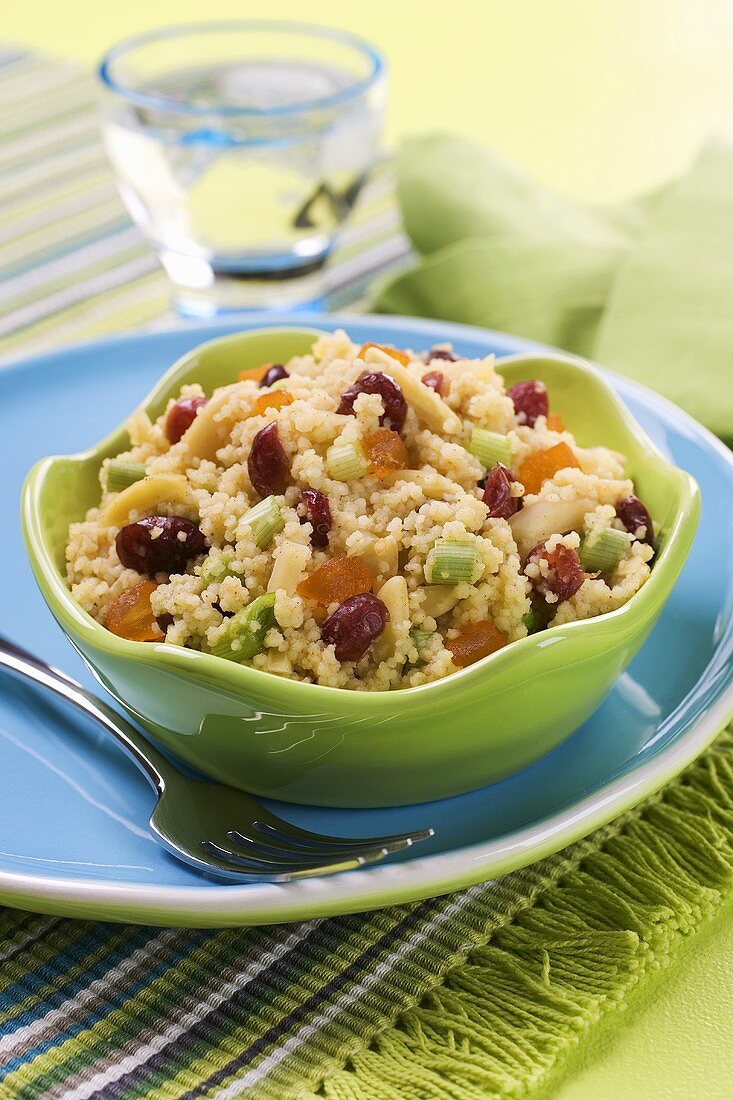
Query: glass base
201	291
202	305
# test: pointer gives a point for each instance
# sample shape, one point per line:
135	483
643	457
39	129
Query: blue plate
73	811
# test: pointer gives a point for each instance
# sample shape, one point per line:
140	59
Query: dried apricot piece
276	400
400	356
254	374
336	581
474	642
385	452
555	422
543	464
130	616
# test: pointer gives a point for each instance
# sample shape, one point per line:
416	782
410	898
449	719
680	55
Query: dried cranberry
354	626
636	519
315	509
565	574
181	417
393	400
440	353
273	374
498	493
434	380
267	464
164	621
530	401
159	544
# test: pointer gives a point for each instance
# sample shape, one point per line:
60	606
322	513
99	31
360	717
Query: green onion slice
245	634
420	639
602	550
266	520
346	462
453	561
121	474
490	447
530	621
216	567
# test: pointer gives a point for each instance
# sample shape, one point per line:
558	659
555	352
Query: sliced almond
289	567
426	403
433	484
382	557
145	496
439	599
537	522
207	433
395	597
279	663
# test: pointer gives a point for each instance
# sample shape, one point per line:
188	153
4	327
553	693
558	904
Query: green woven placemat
479	994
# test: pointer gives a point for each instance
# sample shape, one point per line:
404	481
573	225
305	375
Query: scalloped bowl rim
233	677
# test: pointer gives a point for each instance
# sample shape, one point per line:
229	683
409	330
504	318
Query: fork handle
26	666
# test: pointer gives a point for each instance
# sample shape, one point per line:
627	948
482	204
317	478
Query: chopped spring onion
245	633
265	519
453	562
530	621
346	461
490	447
216	567
279	384
602	550
421	638
121	474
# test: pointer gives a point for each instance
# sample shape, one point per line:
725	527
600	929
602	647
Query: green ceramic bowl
331	747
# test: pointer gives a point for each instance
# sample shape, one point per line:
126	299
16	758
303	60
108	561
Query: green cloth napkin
645	288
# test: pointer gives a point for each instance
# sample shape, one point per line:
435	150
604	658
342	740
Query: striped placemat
72	266
484	993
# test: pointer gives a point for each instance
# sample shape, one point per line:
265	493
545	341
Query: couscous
362	518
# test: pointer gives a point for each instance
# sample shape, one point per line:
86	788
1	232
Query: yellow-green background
596	96
599	98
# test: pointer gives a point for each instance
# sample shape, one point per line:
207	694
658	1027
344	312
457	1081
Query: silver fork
211	826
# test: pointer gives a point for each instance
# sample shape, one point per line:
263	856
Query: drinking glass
240	150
